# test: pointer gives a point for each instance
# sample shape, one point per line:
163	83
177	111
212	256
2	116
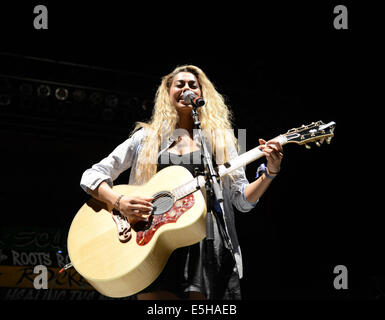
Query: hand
274	154
135	208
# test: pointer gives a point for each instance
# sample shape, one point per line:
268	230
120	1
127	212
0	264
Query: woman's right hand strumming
135	208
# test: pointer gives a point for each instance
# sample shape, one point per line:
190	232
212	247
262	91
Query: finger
272	146
144	201
277	154
268	150
275	144
140	199
276	150
140	215
261	141
140	207
266	154
273	156
136	215
147	199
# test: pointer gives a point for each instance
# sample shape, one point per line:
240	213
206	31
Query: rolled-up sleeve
238	184
237	192
108	169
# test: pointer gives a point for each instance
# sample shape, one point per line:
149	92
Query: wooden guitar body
119	269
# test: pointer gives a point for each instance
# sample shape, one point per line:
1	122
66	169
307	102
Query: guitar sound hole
162	203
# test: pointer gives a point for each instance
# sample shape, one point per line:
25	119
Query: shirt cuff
251	204
87	183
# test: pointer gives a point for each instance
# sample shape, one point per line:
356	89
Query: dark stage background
278	66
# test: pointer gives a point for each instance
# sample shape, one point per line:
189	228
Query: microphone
191	98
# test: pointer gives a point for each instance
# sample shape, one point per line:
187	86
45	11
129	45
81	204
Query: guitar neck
189	187
245	158
223	170
301	135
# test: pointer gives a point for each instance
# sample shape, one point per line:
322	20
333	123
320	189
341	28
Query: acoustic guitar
119	260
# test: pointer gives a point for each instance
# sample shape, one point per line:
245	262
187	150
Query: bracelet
269	176
272	172
116	204
263	169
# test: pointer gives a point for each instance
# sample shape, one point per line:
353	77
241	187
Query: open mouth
183	102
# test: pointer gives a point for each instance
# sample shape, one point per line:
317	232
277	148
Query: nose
184	89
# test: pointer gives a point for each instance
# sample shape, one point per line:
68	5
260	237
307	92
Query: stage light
111	101
43	91
96	98
61	94
26	89
79	95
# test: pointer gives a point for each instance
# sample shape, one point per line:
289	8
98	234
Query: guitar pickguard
171	216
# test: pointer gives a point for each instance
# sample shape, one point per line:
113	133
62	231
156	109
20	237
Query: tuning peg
307	146
317	144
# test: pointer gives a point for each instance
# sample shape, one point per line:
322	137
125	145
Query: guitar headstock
316	132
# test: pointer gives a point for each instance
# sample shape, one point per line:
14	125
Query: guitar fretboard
245	158
223	170
188	187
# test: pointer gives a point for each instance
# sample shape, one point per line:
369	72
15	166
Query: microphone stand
212	188
212	185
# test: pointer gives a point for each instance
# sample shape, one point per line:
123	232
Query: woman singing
169	138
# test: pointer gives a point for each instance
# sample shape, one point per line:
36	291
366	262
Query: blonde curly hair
215	118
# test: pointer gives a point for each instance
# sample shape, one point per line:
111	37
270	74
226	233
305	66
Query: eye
193	85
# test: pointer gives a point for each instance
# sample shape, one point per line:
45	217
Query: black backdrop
278	66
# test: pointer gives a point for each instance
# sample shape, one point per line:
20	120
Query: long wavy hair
215	119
